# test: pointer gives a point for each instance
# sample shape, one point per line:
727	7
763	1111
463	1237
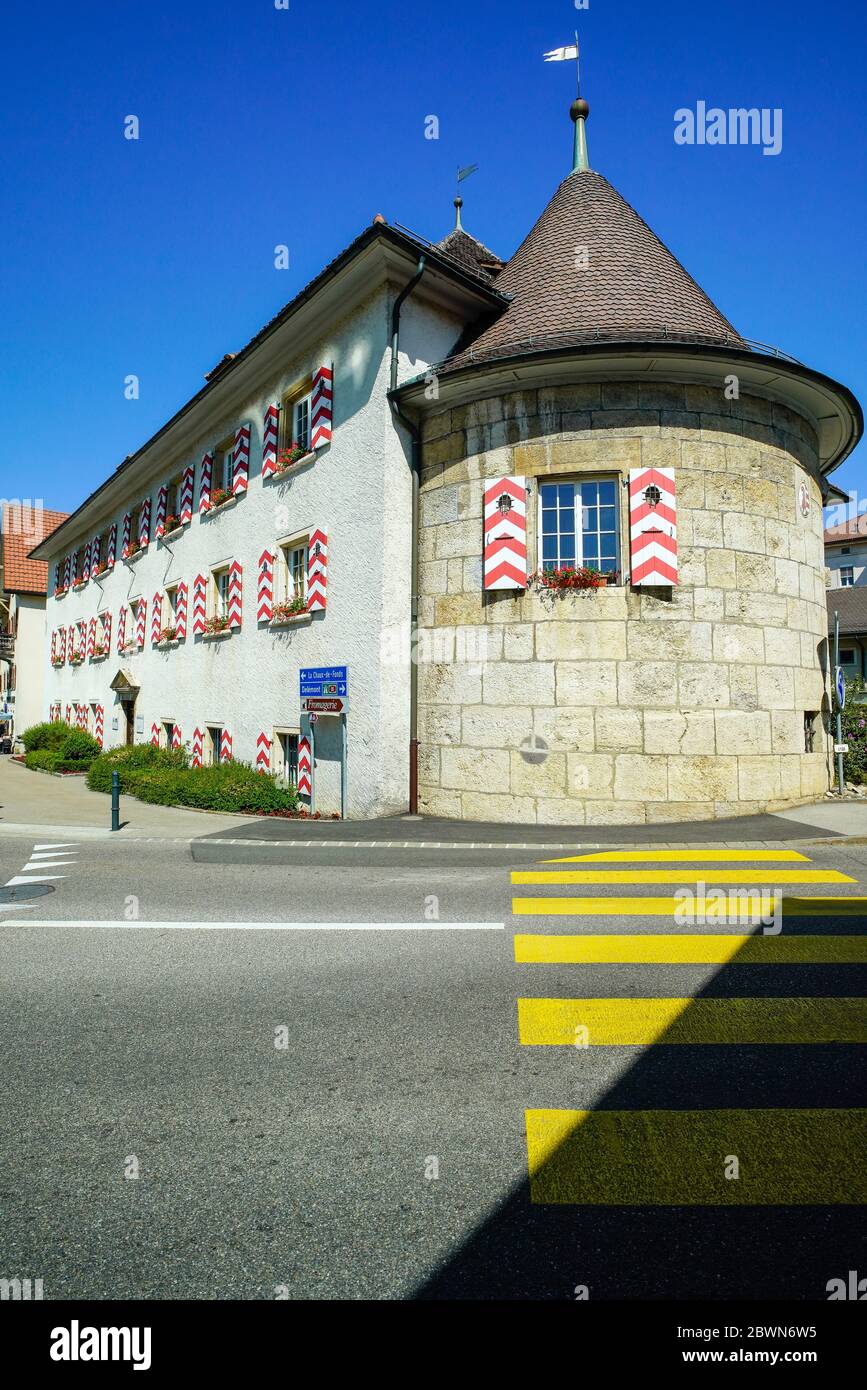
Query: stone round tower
612	411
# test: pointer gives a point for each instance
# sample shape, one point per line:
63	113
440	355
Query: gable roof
853	530
22	528
851	604
630	285
470	253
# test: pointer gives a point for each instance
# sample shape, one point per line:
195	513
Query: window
220	593
579	524
102	630
168	733
847	656
286	750
134	522
170	606
77	566
295	420
213	745
294	569
810	717
173	503
224	465
847	576
846	550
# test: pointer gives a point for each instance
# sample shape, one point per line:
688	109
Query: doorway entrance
129	712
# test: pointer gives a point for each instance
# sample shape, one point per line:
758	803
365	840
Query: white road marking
32	878
281	926
67	844
46	864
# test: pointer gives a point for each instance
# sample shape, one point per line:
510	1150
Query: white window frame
847	583
576	482
208	759
286	548
224	465
278	753
218	603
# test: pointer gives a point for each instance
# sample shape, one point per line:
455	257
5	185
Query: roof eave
831	407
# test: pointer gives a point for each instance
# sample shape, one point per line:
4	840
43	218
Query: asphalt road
382	1152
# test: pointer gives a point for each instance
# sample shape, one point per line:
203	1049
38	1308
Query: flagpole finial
579	111
459	202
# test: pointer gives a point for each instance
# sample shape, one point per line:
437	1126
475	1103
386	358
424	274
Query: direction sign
324	682
840	686
315	703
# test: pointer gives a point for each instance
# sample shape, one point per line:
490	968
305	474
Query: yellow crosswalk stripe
684	856
664	949
680	1157
641	1022
779	877
745	908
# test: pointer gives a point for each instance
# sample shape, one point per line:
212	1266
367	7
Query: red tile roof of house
22	528
853	530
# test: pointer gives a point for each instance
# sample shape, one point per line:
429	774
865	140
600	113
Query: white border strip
278	926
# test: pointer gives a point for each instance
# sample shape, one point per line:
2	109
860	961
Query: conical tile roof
631	286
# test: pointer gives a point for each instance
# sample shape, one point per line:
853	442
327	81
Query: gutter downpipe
415	463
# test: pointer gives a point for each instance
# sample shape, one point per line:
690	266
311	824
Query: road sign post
324	690
840	686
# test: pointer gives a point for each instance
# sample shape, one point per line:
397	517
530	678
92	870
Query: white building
846	553
23	584
308	566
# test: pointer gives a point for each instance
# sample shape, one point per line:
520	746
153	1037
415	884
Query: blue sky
261	126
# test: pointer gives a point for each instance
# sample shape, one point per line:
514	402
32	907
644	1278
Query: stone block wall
619	706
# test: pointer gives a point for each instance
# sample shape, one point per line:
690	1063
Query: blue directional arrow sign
324	682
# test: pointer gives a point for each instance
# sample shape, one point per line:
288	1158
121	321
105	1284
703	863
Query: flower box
171	531
218	499
135	550
289	612
101	569
290	458
129	648
79	584
100	653
570	577
168	634
217	627
61	593
76	660
58	661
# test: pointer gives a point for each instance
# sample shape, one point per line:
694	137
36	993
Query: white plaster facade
357	488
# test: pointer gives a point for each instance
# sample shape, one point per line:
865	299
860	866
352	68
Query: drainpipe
415	463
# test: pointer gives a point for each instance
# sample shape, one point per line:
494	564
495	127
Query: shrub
78	747
41	758
161	776
853	723
44	736
129	762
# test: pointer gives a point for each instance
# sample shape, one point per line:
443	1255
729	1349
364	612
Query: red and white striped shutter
95	556
176	736
81	711
53	645
187	484
155	735
265	607
505	552
61	643
652	526
85	562
69	714
111	557
156	618
82	638
144	523
321	407
67	571
270	433
141	623
317	571
58	571
241	460
181	612
121	628
305	767
263	753
207	473
236	576
199	592
198	745
71	641
99	725
162	504
91	637
225	747
106	631
126	535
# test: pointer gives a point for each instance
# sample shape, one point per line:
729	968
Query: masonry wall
656	705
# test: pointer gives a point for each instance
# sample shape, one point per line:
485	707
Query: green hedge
854	726
57	748
41	736
162	777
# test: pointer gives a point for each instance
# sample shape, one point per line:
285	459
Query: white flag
557	55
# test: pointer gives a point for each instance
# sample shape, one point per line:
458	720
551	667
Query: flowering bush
853	724
290	609
570	577
219	623
171	524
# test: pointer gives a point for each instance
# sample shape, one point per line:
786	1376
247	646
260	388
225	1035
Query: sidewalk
63	805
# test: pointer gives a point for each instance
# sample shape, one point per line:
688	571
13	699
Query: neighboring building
846	553
851	605
588	405
23	585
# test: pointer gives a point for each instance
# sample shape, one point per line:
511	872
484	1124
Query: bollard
115	801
